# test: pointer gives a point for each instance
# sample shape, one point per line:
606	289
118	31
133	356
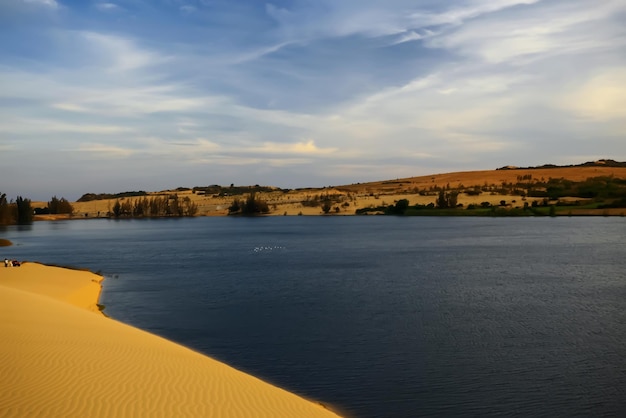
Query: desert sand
60	357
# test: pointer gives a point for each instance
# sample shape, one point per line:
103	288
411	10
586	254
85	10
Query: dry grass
356	196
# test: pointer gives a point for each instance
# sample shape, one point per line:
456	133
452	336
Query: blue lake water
376	316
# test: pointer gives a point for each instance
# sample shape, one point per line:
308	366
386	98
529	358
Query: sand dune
58	358
363	195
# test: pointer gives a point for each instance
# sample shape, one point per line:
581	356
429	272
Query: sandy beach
60	357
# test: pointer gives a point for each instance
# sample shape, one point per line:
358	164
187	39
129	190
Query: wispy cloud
45	3
542	30
309	92
107	7
119	53
410	36
307	147
105	151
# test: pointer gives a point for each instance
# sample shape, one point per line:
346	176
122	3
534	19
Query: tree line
15	212
56	206
156	206
20	210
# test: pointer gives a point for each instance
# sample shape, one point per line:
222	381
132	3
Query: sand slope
58	359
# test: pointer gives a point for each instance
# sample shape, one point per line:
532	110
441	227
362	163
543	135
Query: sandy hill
346	199
466	179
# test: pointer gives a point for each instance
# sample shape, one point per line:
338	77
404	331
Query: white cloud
105	151
539	31
307	147
602	98
70	107
459	14
374	90
119	53
33	125
329	18
107	7
133	101
81	128
47	3
410	36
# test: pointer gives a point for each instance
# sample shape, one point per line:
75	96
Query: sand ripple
60	360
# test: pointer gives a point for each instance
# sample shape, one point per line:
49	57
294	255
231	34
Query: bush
58	206
252	206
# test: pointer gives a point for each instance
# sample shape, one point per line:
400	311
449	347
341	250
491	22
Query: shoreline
563	211
516	187
61	356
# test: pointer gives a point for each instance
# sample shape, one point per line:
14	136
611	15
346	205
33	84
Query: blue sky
109	96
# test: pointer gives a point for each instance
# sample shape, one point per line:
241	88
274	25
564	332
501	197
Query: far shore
491	187
60	356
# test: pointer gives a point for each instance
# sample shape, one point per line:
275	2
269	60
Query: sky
111	96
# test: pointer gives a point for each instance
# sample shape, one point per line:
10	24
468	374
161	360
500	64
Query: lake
376	316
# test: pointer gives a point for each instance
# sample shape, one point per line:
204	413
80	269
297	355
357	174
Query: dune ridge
60	358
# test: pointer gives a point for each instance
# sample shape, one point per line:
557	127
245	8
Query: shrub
252	206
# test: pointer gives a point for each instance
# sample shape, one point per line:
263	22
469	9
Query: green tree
24	211
255	206
58	206
127	208
399	208
235	207
447	200
326	206
6	217
252	206
189	208
442	202
117	209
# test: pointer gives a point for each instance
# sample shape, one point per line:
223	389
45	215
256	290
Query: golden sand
59	357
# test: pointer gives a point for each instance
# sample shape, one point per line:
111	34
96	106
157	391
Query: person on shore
11	263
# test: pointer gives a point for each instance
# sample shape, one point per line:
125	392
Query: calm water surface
378	316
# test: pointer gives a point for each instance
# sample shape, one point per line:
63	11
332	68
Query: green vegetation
56	206
154	207
605	190
88	197
252	206
232	190
61	205
24	211
594	193
18	212
328	202
6	211
447	200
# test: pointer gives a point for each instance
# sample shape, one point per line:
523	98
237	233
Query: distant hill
599	163
592	188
